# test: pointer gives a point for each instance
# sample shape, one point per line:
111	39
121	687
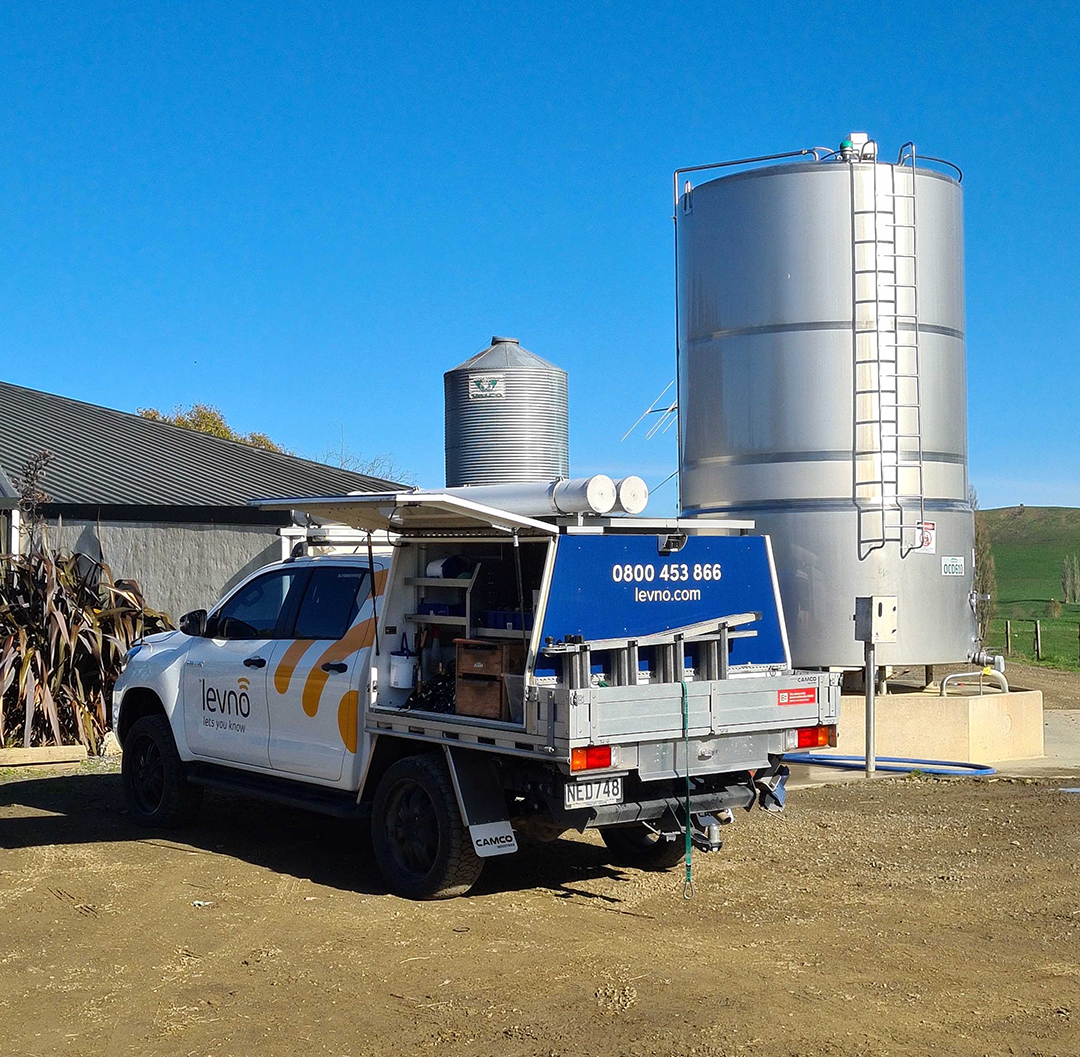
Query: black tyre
155	788
637	845
420	843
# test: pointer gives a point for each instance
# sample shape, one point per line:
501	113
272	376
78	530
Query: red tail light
816	737
591	758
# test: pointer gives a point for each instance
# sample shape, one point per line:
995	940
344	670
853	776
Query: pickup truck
498	675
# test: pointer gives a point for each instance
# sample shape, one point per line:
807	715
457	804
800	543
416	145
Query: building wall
179	566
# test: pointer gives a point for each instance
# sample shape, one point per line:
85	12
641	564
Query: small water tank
822	390
506	418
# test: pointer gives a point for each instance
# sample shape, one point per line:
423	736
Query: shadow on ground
89	809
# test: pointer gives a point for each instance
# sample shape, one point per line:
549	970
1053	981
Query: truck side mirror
194	623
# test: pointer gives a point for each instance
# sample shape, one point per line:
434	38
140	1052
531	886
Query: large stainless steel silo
506	418
822	389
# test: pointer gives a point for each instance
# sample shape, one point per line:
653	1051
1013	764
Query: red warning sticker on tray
807	696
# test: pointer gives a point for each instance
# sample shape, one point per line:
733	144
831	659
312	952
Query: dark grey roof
110	457
504	352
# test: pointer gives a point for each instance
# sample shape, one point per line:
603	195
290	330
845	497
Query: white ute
501	675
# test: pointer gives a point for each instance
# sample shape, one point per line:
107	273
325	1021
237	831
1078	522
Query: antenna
664	412
653	491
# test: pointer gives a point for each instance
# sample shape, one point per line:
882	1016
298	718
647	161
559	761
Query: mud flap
481	802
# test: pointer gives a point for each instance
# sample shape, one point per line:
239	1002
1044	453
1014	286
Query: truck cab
500	675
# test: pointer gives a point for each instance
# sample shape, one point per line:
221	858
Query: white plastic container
403	667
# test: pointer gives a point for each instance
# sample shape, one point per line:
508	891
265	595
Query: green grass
1059	641
1029	544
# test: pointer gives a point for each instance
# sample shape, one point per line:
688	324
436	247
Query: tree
1070	578
205	418
383	464
28	484
985	572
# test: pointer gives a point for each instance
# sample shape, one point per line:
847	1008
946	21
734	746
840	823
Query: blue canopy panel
606	587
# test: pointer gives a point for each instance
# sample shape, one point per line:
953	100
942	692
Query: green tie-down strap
688	884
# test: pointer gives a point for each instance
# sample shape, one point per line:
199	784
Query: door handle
255	662
335	666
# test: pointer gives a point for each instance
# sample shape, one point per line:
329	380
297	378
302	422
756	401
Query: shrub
65	627
1053	609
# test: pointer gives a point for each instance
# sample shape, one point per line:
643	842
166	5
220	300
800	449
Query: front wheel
155	788
637	845
417	834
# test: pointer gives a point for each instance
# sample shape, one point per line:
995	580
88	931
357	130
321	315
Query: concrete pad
966	728
1062	758
1062	740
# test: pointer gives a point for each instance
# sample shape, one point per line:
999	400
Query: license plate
592	793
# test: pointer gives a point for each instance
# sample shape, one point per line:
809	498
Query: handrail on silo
740	161
903	159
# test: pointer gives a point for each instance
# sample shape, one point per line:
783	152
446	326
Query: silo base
967	728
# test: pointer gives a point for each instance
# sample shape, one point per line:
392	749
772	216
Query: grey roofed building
163	505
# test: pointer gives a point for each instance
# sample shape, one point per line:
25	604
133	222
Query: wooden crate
482	696
484	657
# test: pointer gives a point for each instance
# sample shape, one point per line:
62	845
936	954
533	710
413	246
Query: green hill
1029	544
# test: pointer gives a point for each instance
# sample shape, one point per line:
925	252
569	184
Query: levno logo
227	702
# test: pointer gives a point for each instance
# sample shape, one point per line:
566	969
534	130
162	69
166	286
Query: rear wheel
155	788
637	845
418	837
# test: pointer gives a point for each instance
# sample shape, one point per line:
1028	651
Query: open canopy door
411	513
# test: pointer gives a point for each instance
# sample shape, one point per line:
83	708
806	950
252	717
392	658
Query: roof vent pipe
584	495
632	495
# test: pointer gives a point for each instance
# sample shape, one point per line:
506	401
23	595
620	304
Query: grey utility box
875	618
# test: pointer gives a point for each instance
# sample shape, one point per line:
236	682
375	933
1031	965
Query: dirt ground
1060	689
899	916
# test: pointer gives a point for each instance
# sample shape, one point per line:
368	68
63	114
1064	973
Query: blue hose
900	764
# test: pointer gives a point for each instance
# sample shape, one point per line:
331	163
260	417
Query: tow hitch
704	829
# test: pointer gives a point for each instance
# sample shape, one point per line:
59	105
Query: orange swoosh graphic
358	637
346	719
290	659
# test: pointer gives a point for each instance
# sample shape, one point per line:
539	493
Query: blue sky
305	213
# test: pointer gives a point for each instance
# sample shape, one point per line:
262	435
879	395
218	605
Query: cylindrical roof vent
506	418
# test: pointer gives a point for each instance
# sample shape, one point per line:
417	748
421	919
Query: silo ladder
887	453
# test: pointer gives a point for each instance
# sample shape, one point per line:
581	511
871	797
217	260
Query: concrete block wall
179	566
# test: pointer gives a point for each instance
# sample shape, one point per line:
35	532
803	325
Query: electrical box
875	618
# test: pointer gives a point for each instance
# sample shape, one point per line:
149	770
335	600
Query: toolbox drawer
489	658
480	696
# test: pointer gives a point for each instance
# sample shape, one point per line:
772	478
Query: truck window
331	601
253	612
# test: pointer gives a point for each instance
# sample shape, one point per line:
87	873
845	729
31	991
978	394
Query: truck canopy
411	513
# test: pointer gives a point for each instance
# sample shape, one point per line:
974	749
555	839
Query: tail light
590	758
818	737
